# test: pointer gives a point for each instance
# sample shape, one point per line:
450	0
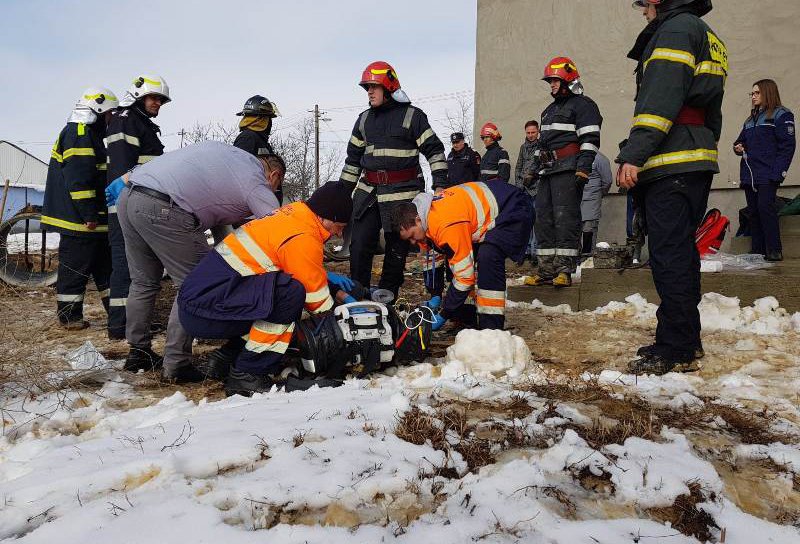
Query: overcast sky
216	54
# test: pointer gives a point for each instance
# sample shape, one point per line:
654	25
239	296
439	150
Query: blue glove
349	299
113	191
342	282
438	322
434	303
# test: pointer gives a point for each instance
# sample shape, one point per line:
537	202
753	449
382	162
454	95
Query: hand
349	299
91	225
581	179
438	191
438	322
340	281
627	176
738	148
434	303
113	191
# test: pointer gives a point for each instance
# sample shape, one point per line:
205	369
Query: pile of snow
487	353
764	317
635	307
16	241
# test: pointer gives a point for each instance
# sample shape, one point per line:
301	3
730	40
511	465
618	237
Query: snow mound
764	317
487	353
635	306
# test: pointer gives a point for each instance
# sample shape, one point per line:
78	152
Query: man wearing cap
463	164
172	201
256	283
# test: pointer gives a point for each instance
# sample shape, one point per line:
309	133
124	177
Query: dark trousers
364	246
81	258
120	281
764	229
558	223
674	207
491	293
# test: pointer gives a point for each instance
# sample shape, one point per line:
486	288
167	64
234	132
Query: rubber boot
536	280
563	279
242	383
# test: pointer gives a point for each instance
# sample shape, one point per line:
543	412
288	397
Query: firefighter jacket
525	176
570	121
290	240
76	181
388	139
132	138
495	163
680	83
470	214
254	142
769	142
462	166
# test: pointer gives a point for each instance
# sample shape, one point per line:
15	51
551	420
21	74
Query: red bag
711	232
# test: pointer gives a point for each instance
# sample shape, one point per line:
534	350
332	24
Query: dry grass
684	515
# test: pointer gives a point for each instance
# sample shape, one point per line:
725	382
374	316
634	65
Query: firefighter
385	145
477	226
463	163
669	160
133	139
256	283
568	143
495	162
74	205
256	124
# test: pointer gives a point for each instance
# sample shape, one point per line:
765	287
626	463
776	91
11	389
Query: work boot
659	364
217	364
699	352
116	334
185	374
143	359
564	279
536	280
773	256
242	383
75	325
294	383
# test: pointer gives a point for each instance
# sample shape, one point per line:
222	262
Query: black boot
774	256
300	384
242	383
699	352
217	364
143	359
659	364
185	374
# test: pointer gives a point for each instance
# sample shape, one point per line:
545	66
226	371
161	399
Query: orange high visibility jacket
291	240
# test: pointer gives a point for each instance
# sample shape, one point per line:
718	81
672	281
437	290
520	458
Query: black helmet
259	105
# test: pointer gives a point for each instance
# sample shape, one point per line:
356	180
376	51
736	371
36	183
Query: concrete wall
515	38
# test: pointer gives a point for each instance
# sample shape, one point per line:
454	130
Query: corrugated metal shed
22	168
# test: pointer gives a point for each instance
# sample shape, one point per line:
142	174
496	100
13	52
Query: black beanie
332	201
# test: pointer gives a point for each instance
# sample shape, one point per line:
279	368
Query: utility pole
182	133
317	118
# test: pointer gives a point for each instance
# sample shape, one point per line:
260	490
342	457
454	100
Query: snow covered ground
16	242
387	459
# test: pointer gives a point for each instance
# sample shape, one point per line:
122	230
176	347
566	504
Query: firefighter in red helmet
495	163
382	166
569	141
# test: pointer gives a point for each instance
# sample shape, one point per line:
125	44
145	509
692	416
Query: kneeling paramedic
256	283
477	226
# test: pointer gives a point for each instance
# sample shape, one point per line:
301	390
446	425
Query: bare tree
460	119
217	131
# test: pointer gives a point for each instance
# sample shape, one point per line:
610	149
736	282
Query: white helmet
98	99
146	84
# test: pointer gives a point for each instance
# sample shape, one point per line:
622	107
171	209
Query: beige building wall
516	38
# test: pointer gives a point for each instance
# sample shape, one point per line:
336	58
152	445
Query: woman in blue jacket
766	145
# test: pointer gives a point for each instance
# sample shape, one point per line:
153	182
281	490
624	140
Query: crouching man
252	288
477	226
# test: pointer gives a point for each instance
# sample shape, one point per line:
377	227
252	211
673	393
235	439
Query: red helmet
380	73
490	130
562	68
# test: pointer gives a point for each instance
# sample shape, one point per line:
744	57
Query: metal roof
19	166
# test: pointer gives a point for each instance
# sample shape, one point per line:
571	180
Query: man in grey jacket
172	201
591	204
525	176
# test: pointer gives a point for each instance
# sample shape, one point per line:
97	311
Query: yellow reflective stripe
81	129
356	142
78	227
394	197
56	155
672	55
318	295
392	152
652	121
119	136
102	166
98	95
145	158
424	136
679	157
150	81
78	152
81	195
255	250
232	259
710	67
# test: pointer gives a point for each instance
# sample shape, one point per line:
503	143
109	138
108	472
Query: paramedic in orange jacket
257	281
476	225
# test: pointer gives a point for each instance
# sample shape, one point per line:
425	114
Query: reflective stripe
356	142
352	169
462	265
104	293
489	172
69	298
346	176
145	158
81	129
679	157
266	336
459	285
566	252
233	260
133	140
105	96
438	157
504	161
78	152
112	209
438	165
545	251
102	166
254	251
491	302
587	129
672	55
392	152
407	119
424	136
324	307
78	227
484	223
394	197
56	155
367	188
81	195
590	147
710	67
118	301
491	310
559	126
318	295
652	121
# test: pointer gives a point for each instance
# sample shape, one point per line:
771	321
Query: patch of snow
486	353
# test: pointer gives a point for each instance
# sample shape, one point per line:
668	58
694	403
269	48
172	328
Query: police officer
463	163
569	141
256	124
74	205
133	138
669	159
385	145
495	163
